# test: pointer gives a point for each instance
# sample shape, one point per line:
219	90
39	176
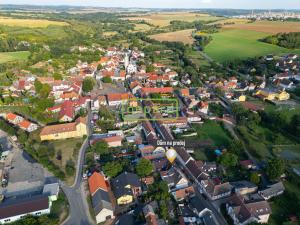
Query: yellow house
125	199
282	96
66	130
266	95
126	187
242	98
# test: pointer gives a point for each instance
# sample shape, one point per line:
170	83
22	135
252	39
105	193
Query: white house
12	211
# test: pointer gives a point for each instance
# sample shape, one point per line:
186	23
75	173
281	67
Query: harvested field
232	20
184	36
270	27
164	19
29	22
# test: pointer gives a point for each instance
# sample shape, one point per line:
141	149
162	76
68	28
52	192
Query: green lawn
212	130
238	44
13	56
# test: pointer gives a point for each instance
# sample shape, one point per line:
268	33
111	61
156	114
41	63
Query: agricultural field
270	27
234	44
231	20
13	56
32	23
164	19
109	33
140	27
184	36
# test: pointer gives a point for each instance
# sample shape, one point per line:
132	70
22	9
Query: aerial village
130	120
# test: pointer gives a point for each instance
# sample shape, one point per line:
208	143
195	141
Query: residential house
150	216
116	99
183	193
203	107
113	140
17	209
101	197
126	187
247	164
174	178
244	187
272	190
63	131
14	118
244	212
214	189
28	126
150	152
195	212
135	86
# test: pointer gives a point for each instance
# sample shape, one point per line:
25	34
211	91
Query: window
7	220
38	213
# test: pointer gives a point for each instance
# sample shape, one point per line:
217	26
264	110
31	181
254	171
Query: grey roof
272	190
126	219
101	200
197	204
51	189
208	218
172	177
120	182
243	184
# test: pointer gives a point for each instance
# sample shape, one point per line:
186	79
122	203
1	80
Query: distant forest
286	40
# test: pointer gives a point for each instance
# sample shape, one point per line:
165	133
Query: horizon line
136	7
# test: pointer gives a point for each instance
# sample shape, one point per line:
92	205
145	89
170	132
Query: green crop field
239	44
13	56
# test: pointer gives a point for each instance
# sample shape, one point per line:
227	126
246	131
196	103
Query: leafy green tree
275	168
106	79
113	169
236	147
228	159
38	85
99	67
101	147
88	84
57	76
255	178
150	68
70	167
144	167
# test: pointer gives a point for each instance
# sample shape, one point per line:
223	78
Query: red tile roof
24	124
96	182
147	90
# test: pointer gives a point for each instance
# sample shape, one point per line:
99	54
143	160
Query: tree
228	159
88	84
236	147
113	169
57	76
144	167
99	67
106	79
254	178
37	85
101	147
150	68
70	167
275	168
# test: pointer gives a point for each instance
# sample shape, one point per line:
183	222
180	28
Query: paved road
79	210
